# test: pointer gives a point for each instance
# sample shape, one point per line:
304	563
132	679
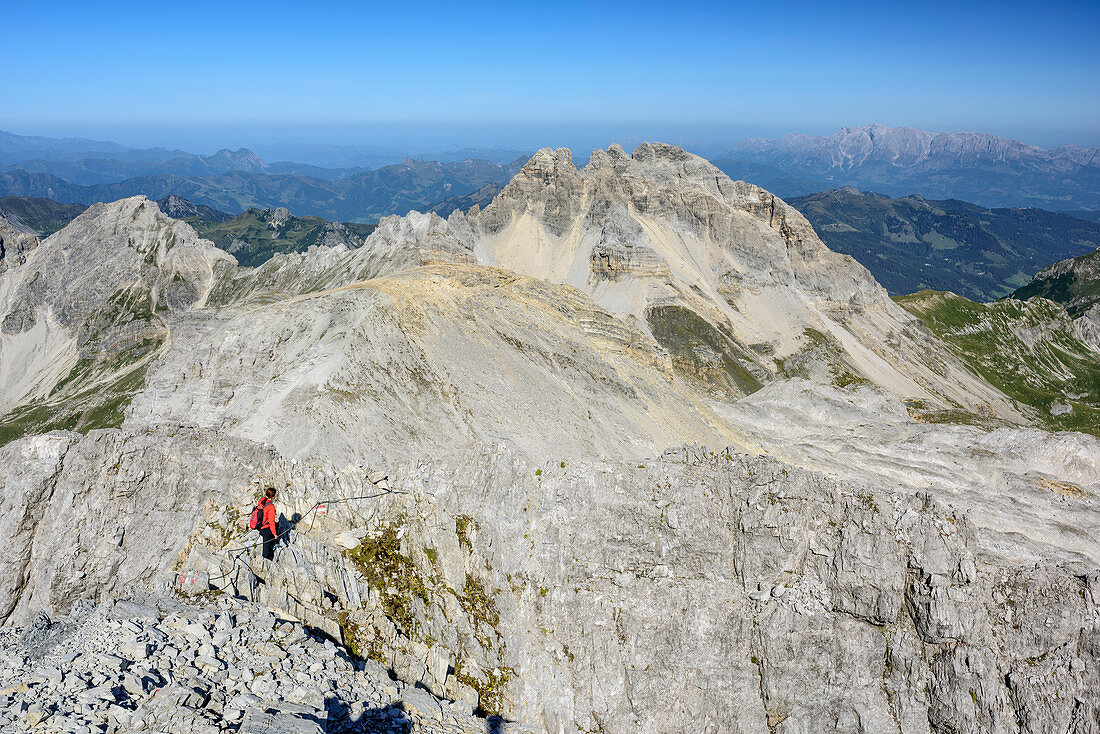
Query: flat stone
421	703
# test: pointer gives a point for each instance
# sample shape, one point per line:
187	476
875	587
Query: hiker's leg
269	543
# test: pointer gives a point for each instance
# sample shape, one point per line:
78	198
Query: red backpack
257	514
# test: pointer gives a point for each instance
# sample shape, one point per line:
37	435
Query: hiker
267	522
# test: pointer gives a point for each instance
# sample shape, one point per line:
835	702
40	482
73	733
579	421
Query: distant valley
911	243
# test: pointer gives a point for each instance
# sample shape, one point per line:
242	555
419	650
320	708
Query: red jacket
268	518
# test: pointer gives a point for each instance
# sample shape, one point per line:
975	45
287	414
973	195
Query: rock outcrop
83	315
15	243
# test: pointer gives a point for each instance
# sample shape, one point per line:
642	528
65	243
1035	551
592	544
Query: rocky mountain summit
627	449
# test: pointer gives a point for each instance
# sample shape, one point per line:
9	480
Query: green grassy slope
1028	350
117	344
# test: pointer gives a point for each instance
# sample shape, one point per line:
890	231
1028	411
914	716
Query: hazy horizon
439	76
306	142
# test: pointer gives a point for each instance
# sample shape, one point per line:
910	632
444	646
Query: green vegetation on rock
392	574
821	355
1028	350
1074	283
702	352
256	235
116	345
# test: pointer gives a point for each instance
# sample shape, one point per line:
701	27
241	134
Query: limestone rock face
728	252
434	357
1088	326
121	507
773	598
15	243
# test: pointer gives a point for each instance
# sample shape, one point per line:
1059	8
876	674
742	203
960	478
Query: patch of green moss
392	574
490	689
866	501
820	350
481	609
463	523
363	642
703	352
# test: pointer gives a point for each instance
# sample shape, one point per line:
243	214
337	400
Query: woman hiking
268	521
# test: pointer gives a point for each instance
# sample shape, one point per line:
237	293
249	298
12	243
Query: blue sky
204	75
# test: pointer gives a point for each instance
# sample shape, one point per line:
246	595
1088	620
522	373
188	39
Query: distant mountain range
981	168
977	167
912	243
364	197
93	171
22	147
323	160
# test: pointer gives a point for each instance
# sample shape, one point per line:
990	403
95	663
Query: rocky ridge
1075	284
84	314
548	592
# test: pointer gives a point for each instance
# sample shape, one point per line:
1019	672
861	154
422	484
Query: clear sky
203	75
